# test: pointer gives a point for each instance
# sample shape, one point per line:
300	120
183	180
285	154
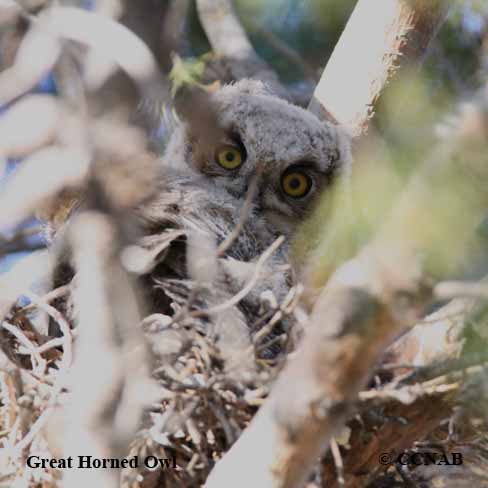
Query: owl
225	197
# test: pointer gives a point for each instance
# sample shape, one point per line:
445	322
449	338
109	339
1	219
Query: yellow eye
229	157
296	184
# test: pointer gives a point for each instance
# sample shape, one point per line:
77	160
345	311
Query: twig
38	425
61	377
453	289
436	338
63	326
289	302
40	363
249	286
411	393
36	56
94	349
243	216
57	342
336	454
58	292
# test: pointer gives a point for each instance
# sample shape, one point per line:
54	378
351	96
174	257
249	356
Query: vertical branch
85	432
380	37
293	428
102	414
229	40
367	302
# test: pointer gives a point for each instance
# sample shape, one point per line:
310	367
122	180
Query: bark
381	37
430	349
366	302
293	428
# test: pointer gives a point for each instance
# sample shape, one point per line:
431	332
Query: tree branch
366	302
230	42
381	37
332	365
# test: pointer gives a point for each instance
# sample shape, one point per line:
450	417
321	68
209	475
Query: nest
199	405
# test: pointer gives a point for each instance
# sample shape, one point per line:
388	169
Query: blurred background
296	37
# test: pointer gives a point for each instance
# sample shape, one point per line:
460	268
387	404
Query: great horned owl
289	157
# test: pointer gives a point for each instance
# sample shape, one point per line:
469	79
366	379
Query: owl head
292	154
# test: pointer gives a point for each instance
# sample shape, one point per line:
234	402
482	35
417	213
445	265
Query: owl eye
229	157
296	184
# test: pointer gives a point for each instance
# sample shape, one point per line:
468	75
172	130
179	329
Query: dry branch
428	375
332	364
366	302
95	355
36	133
380	37
437	338
229	41
107	408
28	272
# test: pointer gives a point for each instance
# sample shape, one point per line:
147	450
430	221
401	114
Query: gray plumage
199	204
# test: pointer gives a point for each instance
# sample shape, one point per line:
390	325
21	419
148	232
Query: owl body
221	200
269	158
206	215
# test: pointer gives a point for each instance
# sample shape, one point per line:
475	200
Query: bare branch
229	40
16	204
361	309
28	272
111	369
381	37
36	132
332	364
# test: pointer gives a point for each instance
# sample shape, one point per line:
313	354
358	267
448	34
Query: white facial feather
271	139
276	136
